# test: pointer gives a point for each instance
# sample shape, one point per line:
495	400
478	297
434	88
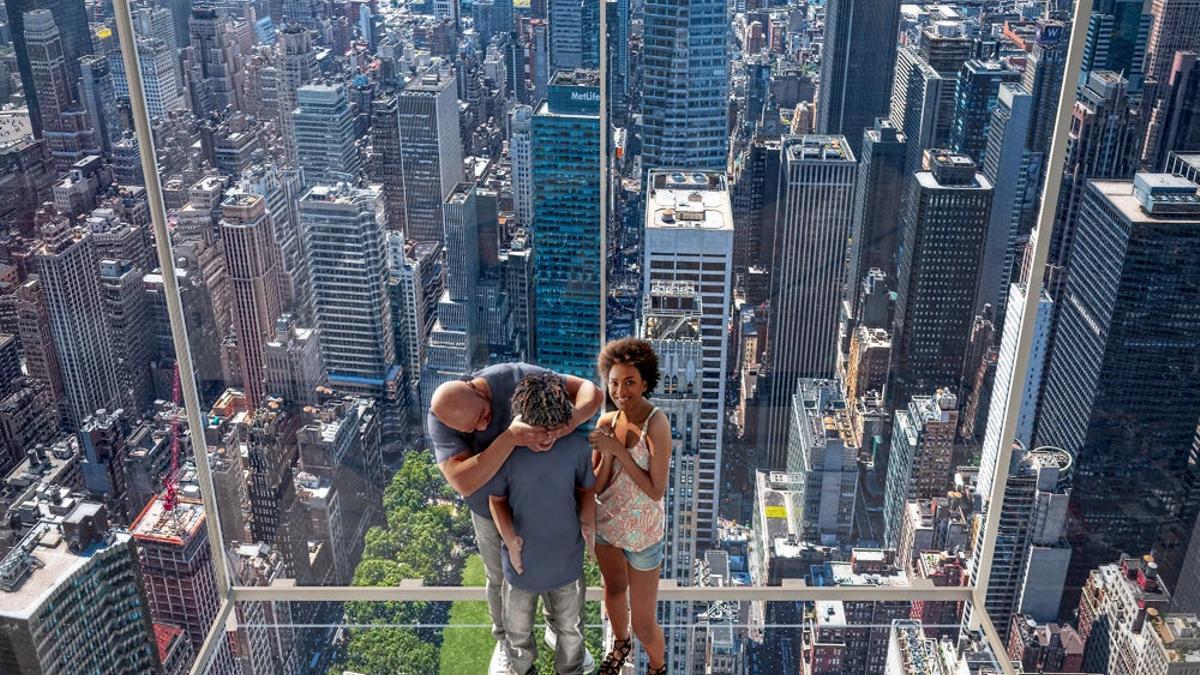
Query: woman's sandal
661	670
615	661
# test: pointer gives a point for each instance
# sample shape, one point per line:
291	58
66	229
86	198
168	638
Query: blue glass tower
566	230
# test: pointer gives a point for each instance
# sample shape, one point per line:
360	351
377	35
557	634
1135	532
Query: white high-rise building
1005	366
520	150
671	322
252	262
297	61
66	265
324	130
281	190
1029	563
417	281
431	153
822	448
160	76
689	240
808	262
345	242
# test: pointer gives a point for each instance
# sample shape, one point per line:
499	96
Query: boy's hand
589	541
514	553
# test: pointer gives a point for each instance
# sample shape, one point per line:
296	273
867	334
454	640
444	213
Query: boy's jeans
564	607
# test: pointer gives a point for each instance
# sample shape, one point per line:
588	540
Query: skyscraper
975	98
1116	40
73	582
1175	122
875	226
823	454
280	190
567	27
566	208
1033	519
346	245
65	124
671	322
917	91
70	17
1176	27
383	164
1005	375
1124	332
919	465
324	131
807	268
416	282
99	98
215	71
430	152
685	85
177	565
160	76
1013	168
66	266
618	44
297	62
521	154
857	59
127	314
942	246
1103	143
689	241
1043	79
252	259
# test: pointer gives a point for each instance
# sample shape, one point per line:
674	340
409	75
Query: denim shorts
646	560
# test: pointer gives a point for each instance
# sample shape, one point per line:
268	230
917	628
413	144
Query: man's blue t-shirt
540	487
502	380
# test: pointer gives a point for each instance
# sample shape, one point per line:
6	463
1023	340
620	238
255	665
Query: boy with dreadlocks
545	509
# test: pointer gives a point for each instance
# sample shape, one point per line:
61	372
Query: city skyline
825	217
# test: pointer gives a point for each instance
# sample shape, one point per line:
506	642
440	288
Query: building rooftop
1179	635
175	527
815	147
688	200
1153	197
43	560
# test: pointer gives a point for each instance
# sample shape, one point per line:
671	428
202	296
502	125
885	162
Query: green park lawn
468	651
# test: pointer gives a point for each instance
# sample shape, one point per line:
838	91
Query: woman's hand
604	441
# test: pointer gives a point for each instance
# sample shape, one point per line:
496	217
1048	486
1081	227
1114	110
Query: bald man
473	432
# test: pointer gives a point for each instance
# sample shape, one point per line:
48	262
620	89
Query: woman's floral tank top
626	516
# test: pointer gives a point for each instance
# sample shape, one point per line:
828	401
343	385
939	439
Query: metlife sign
574	99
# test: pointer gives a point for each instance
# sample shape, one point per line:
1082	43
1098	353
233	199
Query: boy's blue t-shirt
540	487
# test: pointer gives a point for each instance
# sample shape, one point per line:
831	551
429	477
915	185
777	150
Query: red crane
171	482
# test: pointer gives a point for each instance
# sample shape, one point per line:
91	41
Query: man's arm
502	516
466	473
588	399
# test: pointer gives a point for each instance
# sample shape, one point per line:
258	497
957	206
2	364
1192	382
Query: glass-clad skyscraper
566	205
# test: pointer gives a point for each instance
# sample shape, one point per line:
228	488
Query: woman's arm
602	464
658	440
